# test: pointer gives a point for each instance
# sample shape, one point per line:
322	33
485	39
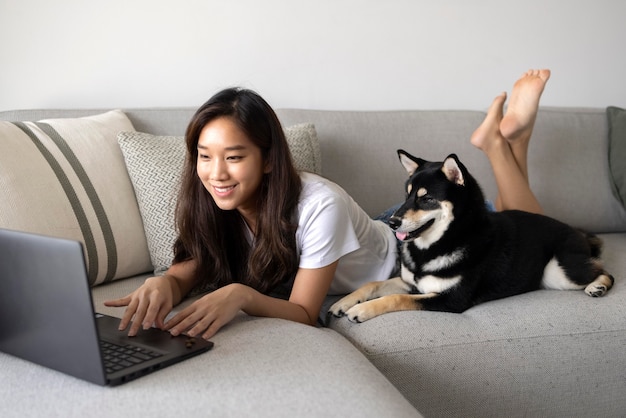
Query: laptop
47	316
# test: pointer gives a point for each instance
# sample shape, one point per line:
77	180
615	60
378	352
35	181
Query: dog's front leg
391	303
367	292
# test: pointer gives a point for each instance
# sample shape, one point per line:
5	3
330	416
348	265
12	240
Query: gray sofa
545	353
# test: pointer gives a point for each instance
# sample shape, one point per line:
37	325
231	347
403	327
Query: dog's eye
427	200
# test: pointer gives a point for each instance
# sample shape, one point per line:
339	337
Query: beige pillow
67	178
154	164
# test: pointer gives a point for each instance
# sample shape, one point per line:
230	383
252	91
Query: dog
455	253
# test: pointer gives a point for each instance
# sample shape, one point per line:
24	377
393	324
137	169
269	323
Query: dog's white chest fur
443	261
429	283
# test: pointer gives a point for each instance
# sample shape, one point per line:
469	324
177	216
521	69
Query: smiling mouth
223	190
409	236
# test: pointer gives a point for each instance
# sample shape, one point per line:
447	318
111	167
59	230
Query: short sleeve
325	231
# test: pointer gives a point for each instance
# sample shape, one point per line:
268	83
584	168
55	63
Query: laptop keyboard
117	357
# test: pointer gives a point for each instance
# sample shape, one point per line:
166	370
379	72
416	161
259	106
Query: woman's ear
267	168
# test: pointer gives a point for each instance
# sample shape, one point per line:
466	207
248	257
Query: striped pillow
67	178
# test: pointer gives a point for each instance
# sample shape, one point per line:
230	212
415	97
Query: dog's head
433	189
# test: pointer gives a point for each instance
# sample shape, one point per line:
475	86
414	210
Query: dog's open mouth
408	236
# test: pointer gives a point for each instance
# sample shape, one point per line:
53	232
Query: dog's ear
452	170
409	162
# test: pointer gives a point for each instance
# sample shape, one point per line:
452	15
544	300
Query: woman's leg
508	153
519	120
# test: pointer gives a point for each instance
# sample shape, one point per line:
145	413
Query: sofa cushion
259	367
67	178
155	163
617	151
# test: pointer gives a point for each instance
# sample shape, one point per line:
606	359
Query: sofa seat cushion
513	351
67	178
155	166
258	367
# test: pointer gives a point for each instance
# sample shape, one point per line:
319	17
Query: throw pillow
155	163
67	178
617	151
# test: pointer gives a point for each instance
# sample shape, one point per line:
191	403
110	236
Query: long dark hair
215	239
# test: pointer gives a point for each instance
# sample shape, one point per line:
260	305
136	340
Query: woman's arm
214	310
309	290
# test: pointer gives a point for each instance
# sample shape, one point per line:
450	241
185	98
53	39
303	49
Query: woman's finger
140	314
128	314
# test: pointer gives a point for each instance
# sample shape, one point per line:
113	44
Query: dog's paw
362	312
344	304
596	290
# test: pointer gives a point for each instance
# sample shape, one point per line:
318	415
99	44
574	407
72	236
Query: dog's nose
395	222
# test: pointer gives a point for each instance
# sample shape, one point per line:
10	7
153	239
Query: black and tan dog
456	254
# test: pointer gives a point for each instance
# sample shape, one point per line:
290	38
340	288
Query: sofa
108	178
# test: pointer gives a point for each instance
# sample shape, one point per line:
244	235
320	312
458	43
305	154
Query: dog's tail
595	243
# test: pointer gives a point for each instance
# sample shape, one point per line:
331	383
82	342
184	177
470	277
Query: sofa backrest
568	157
568	162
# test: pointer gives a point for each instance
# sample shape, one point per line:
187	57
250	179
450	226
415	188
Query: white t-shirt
332	226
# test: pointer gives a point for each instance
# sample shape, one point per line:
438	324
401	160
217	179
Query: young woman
249	223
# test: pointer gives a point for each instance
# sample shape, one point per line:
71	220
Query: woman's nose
218	170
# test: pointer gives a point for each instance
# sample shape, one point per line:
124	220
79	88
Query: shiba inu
455	253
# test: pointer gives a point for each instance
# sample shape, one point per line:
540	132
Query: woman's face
230	167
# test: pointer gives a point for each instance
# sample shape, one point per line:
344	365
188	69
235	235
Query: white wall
325	54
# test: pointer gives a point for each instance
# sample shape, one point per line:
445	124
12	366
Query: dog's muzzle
395	223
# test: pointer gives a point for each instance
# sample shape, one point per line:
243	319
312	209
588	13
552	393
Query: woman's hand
147	305
209	313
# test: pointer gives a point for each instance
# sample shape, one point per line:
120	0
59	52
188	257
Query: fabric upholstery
66	178
259	367
154	164
567	155
617	151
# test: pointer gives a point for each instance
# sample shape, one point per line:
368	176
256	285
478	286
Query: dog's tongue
401	235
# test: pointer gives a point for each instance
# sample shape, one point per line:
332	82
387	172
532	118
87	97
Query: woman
249	223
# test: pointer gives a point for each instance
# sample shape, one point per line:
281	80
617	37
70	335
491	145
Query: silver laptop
47	316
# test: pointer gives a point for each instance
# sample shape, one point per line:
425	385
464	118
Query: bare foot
521	112
488	133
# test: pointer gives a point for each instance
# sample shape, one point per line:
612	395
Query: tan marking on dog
443	217
597	263
421	192
412	216
367	292
409	188
391	303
